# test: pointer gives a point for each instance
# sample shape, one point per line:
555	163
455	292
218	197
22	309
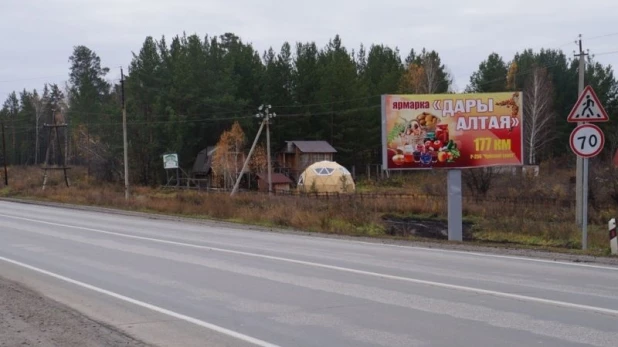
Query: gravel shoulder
28	318
497	249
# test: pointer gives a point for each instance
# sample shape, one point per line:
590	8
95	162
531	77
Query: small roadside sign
587	140
588	108
170	161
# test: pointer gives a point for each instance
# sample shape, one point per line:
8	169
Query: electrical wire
605	53
31	78
602	36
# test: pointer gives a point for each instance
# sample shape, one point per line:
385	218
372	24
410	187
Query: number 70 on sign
587	140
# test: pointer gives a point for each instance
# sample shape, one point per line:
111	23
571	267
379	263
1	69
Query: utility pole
38	104
124	138
36	140
264	112
6	173
579	183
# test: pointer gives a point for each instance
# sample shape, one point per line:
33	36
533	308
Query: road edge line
152	307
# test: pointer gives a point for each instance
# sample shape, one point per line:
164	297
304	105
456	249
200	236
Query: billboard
452	130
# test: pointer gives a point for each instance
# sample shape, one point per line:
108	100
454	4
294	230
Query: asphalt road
181	283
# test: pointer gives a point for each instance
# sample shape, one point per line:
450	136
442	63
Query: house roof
277	178
203	161
313	146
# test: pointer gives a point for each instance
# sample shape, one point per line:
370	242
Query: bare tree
105	164
431	69
538	113
40	104
39	107
479	180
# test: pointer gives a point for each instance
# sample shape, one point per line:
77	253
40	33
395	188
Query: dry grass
547	226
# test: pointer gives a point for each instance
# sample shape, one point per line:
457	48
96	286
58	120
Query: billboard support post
455	208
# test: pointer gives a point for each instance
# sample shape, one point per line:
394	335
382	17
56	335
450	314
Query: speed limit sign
587	140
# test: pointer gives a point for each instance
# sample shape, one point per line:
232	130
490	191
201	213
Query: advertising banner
452	130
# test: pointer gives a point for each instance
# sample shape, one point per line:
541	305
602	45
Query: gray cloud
38	36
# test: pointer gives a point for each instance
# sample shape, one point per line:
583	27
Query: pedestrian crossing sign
588	108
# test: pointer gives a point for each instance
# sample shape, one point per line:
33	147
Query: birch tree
38	102
434	76
538	113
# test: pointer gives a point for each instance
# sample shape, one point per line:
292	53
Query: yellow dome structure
326	177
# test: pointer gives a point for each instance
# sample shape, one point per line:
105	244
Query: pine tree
490	77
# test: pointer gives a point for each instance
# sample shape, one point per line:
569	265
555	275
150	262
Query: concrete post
613	239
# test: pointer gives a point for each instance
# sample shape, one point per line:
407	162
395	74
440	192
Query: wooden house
297	155
280	182
203	168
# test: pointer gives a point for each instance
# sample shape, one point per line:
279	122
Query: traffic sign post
587	141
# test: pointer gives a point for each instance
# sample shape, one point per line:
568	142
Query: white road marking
343	269
614	268
429	249
192	320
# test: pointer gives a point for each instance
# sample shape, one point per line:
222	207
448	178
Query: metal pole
124	139
244	166
455	207
585	206
6	173
270	181
578	174
36	140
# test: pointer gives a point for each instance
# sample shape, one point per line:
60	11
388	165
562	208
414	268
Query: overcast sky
38	35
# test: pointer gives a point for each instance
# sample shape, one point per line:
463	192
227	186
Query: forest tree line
183	95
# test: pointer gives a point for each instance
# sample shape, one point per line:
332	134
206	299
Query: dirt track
29	319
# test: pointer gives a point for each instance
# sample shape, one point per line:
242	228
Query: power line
31	78
328	113
602	36
161	121
207	120
329	103
605	53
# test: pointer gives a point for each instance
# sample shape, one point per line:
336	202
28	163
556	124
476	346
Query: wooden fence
523	200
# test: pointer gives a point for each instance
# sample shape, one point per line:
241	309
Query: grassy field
518	211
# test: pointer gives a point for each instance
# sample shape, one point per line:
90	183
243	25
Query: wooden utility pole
124	138
54	127
6	173
264	112
270	179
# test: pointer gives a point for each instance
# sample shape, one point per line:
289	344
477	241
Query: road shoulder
38	310
28	318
